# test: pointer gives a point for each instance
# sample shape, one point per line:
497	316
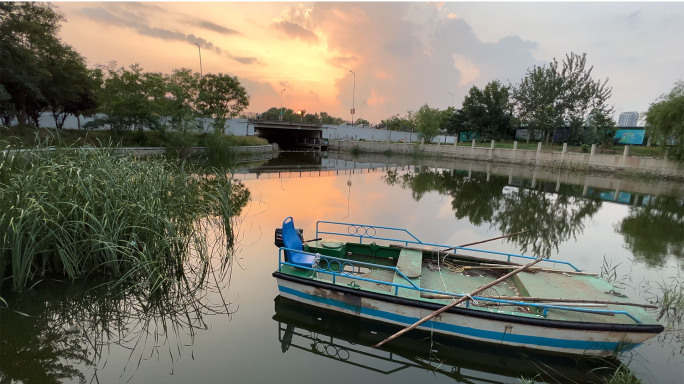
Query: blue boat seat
292	241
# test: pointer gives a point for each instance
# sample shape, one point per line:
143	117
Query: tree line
39	74
558	97
558	101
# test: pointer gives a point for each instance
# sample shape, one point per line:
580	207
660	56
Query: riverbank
564	159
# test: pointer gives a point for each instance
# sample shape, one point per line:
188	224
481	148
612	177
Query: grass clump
79	213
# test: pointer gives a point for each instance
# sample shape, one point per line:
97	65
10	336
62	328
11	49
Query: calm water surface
238	330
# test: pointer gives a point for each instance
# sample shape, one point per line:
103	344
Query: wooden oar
485	241
547	299
462	299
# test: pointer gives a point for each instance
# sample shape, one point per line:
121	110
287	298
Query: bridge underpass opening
290	136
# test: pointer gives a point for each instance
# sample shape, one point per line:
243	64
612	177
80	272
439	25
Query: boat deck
425	273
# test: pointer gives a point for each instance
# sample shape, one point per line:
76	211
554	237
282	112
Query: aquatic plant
80	213
622	376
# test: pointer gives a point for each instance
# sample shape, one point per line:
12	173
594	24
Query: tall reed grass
81	213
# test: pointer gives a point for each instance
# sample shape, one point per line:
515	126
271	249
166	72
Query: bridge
291	135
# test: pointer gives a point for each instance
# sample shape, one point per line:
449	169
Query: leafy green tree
665	120
427	122
70	88
392	123
271	114
600	129
182	92
489	111
361	122
7	111
328	119
560	96
130	99
456	123
221	97
28	32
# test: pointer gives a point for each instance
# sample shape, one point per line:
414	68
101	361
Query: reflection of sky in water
244	346
432	219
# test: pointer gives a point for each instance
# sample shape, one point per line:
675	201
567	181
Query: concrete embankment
560	160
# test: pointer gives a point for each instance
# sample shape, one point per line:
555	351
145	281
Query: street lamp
353	92
452	98
280	118
199	50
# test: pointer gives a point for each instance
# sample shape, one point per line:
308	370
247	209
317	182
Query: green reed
81	213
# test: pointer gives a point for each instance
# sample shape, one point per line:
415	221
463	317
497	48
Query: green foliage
487	112
397	123
182	91
561	96
289	115
221	147
622	376
427	122
39	72
665	121
130	99
84	212
361	122
221	97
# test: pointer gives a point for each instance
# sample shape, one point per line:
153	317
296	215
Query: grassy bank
28	136
79	214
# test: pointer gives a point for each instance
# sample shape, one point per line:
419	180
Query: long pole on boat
462	299
485	241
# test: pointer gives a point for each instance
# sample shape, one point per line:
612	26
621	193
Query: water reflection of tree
62	331
655	231
548	218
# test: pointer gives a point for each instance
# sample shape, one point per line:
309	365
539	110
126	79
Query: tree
70	88
28	38
488	111
427	122
553	97
362	122
130	99
221	97
665	120
182	92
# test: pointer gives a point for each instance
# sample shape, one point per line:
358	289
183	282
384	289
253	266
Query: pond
237	329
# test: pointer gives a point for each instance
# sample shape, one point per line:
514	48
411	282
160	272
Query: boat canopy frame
369	232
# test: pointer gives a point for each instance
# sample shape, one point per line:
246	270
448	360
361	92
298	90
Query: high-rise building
628	119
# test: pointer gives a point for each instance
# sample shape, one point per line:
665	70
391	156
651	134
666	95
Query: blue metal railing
363	231
340	272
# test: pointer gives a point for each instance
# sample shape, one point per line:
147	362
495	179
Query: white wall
240	127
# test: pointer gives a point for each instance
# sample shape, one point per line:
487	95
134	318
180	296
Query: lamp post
199	50
452	98
280	118
353	92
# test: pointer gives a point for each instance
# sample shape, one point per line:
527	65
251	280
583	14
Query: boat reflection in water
349	339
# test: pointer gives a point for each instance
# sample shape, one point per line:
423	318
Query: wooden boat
387	274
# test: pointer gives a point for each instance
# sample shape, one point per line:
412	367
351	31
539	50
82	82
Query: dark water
237	330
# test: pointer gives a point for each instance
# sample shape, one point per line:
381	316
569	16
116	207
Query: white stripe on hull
561	340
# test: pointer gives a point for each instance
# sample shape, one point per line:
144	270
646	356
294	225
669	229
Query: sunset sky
403	54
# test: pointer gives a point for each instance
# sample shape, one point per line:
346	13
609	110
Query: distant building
628	119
